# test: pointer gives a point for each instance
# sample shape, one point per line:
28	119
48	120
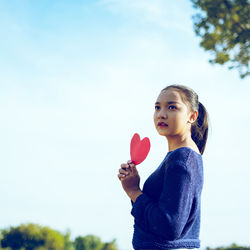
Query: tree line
33	236
231	247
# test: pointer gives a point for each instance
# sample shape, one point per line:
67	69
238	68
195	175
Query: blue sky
77	80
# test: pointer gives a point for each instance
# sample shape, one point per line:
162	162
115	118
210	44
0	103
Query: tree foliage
92	242
110	246
88	242
68	244
224	28
232	247
33	236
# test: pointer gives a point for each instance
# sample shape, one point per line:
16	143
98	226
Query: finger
123	171
132	165
124	166
121	176
133	169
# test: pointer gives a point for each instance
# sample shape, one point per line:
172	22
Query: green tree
110	246
53	239
28	237
68	245
89	242
224	28
92	242
232	247
32	236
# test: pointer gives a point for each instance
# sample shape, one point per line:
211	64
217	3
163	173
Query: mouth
162	124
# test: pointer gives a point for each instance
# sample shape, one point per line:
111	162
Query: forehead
170	95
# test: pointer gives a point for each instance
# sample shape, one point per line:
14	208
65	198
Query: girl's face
172	116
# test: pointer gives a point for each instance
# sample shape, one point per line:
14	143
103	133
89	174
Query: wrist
133	195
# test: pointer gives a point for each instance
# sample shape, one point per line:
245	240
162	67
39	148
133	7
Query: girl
167	210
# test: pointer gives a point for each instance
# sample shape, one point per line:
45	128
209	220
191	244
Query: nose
162	114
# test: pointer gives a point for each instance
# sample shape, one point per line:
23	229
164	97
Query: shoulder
184	157
180	154
184	165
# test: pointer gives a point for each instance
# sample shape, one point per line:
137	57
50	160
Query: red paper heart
139	149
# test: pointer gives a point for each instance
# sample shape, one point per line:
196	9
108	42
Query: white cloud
162	13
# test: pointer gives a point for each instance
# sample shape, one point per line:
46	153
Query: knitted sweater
167	214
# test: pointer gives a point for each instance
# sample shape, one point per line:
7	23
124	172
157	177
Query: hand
130	179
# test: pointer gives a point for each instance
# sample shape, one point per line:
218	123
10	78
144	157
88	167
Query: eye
157	107
172	107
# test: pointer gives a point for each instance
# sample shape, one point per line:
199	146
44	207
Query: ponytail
199	130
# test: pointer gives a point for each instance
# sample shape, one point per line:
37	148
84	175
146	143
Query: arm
168	216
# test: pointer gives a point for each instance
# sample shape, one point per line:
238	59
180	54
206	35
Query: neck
178	141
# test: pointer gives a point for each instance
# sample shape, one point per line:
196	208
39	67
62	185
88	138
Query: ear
193	116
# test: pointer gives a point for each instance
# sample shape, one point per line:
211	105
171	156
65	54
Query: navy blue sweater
167	214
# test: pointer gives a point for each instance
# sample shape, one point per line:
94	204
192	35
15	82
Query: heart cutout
139	149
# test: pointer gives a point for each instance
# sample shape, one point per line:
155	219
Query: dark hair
199	129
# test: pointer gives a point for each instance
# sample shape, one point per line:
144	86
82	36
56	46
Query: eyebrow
171	102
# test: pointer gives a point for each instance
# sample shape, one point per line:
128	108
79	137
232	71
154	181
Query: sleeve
167	216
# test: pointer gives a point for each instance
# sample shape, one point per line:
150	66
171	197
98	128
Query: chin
162	133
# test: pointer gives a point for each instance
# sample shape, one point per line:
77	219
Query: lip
162	124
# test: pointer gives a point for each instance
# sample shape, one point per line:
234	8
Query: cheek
177	117
155	116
